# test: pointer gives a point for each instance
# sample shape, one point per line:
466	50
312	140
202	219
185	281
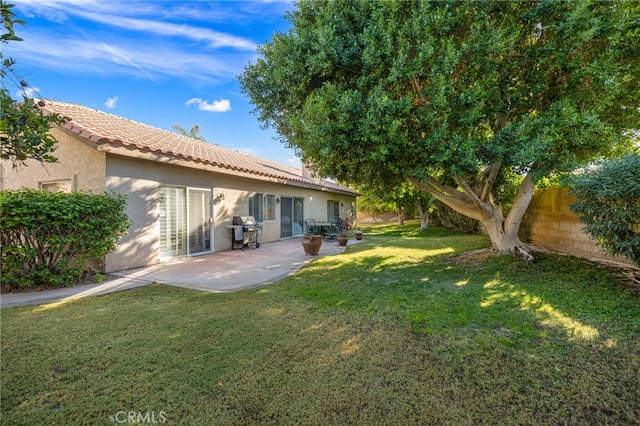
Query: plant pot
358	235
311	244
342	239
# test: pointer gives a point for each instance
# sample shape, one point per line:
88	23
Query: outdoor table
322	227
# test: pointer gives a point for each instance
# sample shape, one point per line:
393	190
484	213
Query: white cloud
28	92
145	39
120	57
117	57
113	14
223	105
111	102
293	161
193	101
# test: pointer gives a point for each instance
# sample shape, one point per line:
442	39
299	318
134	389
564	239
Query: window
255	206
269	207
173	221
262	207
56	185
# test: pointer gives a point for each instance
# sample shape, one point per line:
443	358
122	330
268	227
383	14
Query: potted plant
311	244
358	234
342	239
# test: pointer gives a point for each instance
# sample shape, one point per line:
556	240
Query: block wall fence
549	223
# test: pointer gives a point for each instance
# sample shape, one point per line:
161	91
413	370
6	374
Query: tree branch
459	201
470	192
494	169
521	203
417	87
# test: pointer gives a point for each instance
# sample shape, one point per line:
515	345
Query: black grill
244	232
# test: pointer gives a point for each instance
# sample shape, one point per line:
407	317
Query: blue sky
162	63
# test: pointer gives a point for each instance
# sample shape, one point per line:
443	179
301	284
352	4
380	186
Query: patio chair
309	224
341	225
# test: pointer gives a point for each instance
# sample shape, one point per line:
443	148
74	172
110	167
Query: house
182	192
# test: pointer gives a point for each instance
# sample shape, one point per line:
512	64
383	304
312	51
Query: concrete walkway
218	272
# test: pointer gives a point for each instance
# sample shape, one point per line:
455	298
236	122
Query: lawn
396	330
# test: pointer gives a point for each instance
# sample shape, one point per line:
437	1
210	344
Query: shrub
51	238
609	205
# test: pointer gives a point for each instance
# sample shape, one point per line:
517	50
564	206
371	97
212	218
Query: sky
161	63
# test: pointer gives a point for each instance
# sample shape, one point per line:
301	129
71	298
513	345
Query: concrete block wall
549	223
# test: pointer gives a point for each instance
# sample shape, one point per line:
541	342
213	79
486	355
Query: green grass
394	331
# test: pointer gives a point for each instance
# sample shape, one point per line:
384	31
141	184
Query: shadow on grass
416	280
491	331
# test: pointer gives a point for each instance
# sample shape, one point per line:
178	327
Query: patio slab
217	272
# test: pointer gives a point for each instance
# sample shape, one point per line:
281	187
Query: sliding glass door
198	221
185	227
291	213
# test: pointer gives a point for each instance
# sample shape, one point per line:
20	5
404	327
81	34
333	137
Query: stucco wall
83	165
550	223
136	179
141	180
237	190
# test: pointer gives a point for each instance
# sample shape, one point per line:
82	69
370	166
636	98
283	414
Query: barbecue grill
244	232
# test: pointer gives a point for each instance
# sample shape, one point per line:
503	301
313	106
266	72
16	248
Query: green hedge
608	203
51	238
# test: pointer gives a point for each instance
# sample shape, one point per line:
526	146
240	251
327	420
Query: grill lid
244	221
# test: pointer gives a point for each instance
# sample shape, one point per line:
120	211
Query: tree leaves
608	203
23	127
377	92
465	84
51	237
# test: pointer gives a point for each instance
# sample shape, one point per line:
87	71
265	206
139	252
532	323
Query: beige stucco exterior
140	175
79	162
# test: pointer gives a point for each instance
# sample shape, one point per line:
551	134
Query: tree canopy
452	95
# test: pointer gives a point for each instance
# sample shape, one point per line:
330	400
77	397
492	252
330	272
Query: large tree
452	95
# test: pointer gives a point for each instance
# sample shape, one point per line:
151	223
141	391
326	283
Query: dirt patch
472	258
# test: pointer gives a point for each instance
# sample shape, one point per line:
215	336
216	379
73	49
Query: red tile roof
101	128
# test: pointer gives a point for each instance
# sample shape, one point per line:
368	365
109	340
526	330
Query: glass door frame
297	216
181	228
207	220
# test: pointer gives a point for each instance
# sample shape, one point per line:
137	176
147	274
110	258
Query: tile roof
101	128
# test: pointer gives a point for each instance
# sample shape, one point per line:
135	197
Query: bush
609	205
51	238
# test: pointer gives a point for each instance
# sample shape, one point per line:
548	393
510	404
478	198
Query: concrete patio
217	272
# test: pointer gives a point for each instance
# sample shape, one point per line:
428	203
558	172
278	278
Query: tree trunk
401	214
502	232
424	217
505	238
